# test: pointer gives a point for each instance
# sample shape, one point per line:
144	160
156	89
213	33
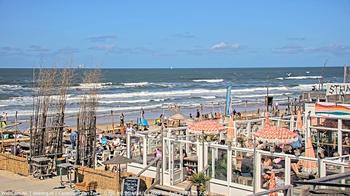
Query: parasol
230	130
299	121
117	160
273	134
177	116
308	166
206	127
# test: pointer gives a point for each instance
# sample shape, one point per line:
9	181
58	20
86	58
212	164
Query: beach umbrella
309	167
230	130
273	134
117	160
177	116
299	121
206	127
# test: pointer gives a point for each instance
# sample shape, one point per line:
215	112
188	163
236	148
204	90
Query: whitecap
299	78
209	80
135	84
93	85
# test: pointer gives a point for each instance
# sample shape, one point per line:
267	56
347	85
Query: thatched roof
177	116
117	160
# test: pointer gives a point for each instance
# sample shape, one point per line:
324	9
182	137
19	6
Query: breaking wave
209	80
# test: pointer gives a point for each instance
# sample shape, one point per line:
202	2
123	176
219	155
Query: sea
155	90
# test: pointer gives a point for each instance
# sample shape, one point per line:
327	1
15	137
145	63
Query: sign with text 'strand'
338	89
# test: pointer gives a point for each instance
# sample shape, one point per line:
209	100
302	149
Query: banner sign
338	89
228	101
327	109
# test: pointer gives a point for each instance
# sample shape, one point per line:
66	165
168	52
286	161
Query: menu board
130	186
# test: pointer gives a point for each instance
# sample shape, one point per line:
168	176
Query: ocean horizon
129	90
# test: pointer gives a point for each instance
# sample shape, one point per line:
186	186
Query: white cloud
103	47
223	46
335	49
102	38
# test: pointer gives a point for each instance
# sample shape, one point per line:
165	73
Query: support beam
229	168
128	150
287	170
144	151
340	137
257	172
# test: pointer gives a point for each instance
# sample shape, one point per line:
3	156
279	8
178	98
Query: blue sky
179	33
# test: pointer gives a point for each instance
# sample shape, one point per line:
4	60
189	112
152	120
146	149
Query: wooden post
112	118
94	142
15	147
77	155
31	137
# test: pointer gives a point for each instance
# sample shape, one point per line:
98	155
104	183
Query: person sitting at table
104	141
278	163
116	142
267	162
296	167
346	145
184	153
249	143
247	166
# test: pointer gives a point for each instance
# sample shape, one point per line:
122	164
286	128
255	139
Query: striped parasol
206	127
273	134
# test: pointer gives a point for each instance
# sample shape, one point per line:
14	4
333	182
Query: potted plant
200	180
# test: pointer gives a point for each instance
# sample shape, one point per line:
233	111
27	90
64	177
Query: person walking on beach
5	118
198	114
142	113
73	138
122	120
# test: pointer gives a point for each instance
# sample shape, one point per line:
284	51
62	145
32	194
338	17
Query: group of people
3	120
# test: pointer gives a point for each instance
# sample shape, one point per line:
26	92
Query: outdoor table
68	167
40	167
191	161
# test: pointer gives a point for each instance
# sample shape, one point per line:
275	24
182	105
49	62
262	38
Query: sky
178	34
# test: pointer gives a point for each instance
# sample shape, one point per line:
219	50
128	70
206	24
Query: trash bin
64	170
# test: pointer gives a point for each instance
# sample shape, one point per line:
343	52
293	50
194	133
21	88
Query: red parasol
299	121
230	130
206	126
273	134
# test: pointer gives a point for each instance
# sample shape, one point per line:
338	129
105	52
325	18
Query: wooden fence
15	164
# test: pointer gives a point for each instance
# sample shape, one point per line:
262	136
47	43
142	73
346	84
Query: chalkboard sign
133	186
